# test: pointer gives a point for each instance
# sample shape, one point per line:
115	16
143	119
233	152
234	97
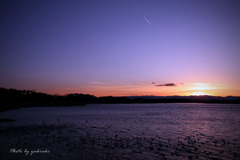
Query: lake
122	131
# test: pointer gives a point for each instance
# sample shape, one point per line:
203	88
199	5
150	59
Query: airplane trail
147	20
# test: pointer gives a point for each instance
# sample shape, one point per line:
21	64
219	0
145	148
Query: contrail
147	20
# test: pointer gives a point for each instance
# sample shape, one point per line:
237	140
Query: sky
121	48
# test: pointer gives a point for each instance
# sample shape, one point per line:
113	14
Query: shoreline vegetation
14	99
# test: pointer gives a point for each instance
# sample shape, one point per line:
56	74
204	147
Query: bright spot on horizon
199	89
200	93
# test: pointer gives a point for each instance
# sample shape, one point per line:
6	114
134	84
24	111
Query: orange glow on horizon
143	89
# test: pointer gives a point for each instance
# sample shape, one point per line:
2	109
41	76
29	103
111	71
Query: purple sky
101	47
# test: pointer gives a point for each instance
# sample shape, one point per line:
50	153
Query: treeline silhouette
12	99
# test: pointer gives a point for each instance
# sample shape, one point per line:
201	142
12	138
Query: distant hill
12	99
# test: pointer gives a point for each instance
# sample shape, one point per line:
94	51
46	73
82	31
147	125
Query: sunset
119	48
119	79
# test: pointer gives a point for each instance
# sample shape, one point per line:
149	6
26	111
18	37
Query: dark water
124	131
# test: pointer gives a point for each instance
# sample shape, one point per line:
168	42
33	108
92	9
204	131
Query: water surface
125	131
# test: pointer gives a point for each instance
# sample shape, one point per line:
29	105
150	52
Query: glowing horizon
146	89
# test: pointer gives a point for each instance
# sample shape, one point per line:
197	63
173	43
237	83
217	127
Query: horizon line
206	95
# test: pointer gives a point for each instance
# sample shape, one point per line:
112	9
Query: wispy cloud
166	84
97	83
147	20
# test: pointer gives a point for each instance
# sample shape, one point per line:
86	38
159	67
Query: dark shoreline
14	99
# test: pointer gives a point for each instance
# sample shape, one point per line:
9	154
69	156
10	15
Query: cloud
166	84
